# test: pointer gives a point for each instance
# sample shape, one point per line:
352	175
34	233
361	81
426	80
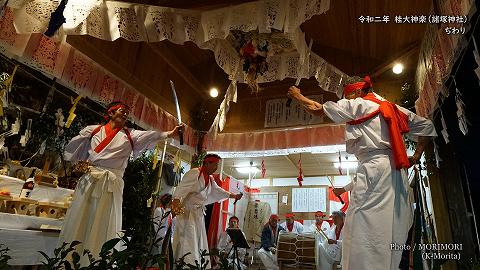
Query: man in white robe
320	224
196	190
330	250
268	248
379	212
95	214
225	245
291	225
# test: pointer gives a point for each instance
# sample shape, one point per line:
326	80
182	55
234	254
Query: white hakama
380	212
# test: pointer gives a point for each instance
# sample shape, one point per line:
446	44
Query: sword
179	116
303	68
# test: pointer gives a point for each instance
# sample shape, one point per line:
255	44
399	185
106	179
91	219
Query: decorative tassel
56	19
300	173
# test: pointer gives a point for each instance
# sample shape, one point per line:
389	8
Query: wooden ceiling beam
163	51
405	52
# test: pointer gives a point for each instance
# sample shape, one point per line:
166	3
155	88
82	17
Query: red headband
349	88
290	215
116	107
211	159
234	218
273	216
320	214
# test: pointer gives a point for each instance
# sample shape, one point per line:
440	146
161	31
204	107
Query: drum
297	249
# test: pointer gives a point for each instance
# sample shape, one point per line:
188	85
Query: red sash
290	227
111	133
397	123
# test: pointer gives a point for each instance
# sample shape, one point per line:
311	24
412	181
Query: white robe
380	212
95	215
190	234
329	253
225	245
297	227
324	227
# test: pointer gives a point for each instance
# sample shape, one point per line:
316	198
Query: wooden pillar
452	219
443	230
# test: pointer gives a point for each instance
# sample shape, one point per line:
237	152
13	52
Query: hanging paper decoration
254	48
71	113
462	118
300	173
263	168
56	19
